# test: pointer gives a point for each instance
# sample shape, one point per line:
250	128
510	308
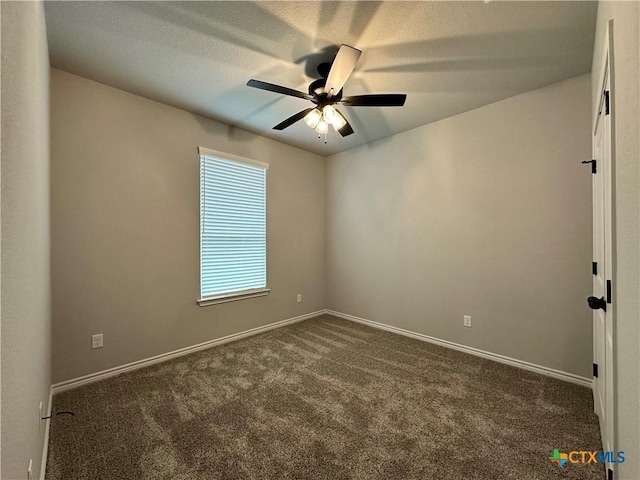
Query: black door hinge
609	474
609	291
594	268
606	102
593	165
595	370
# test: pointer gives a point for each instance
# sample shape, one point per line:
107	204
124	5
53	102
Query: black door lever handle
597	303
593	165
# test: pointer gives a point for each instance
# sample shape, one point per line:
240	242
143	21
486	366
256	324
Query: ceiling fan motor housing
316	88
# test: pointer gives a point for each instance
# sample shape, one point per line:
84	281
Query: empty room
320	240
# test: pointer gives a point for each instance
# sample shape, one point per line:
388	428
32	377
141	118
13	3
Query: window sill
232	297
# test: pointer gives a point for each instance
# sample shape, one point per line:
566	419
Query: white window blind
233	237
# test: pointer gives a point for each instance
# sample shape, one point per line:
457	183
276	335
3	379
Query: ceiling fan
327	92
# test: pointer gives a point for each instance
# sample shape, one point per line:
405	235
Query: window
233	220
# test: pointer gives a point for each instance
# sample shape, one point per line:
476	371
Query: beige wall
626	282
487	214
25	284
125	228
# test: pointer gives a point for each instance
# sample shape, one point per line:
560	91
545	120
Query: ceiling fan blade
379	100
341	69
278	89
292	119
346	130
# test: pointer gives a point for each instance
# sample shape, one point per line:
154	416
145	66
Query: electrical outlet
29	469
96	341
467	321
299	298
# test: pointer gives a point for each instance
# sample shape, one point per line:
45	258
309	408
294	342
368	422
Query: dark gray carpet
323	399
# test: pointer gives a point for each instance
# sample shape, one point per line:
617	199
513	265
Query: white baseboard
550	372
112	372
45	446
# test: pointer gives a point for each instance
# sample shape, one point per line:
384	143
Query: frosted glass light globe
329	114
313	117
339	121
322	127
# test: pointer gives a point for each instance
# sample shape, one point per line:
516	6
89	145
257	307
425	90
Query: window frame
238	294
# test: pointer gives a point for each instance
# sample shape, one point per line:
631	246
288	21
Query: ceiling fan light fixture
313	118
322	127
339	121
329	114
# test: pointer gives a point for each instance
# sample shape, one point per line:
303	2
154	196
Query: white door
601	300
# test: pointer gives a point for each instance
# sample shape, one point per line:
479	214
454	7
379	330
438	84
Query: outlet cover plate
97	341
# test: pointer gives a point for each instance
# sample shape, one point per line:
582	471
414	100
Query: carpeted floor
323	399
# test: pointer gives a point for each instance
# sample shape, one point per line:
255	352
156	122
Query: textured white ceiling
449	57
